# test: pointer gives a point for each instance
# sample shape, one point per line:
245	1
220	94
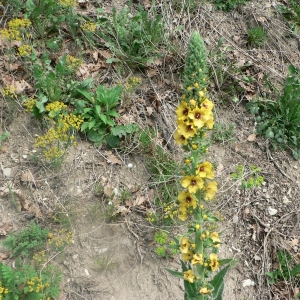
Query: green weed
27	241
99	113
227	5
249	178
279	121
133	37
291	12
287	270
256	36
3	137
223	133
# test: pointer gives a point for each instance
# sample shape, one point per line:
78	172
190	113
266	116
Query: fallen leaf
5	228
251	137
108	191
105	54
149	110
151	72
112	158
3	256
121	209
27	177
138	201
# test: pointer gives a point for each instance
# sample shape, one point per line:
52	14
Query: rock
272	211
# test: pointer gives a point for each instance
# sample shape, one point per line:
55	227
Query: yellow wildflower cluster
15	27
29	104
60	238
170	211
66	3
35	285
24	50
89	26
188	254
3	291
9	91
40	257
73	62
55	107
132	83
151	217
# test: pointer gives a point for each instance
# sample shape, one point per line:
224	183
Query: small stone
248	282
235	219
272	211
130	165
24	156
285	200
86	272
7	172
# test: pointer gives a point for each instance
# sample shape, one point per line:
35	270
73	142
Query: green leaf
4	136
291	70
175	273
95	136
103	118
113	141
92	124
218	283
112	60
112	113
84	126
98	110
86	94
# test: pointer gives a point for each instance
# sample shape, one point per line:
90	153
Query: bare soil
112	256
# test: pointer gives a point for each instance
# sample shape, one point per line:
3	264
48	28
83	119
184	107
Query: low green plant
186	5
279	121
224	133
27	241
291	12
256	36
287	269
227	5
164	248
99	111
3	137
133	37
25	282
248	179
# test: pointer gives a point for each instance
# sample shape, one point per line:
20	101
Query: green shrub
291	12
279	121
256	36
133	38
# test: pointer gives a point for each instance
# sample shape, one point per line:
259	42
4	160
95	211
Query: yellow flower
194	147
24	50
187	129
192	183
192	102
204	291
214	264
210	123
204	170
187	199
189	276
196	85
201	94
197	259
197	226
180	139
207	105
215	237
182	214
187	161
187	256
184	245
89	26
211	190
182	111
199	117
66	3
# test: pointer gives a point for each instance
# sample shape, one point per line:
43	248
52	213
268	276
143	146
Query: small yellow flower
197	259
187	256
199	117
189	276
194	147
187	199
182	111
193	102
187	129
192	183
211	190
196	85
182	213
187	161
180	139
184	245
205	170
214	263
197	226
205	217
89	26
24	50
204	291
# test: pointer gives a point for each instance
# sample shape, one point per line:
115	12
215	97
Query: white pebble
130	165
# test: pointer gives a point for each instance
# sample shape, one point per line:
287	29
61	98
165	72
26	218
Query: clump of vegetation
223	133
227	5
256	36
133	37
291	12
249	178
279	121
